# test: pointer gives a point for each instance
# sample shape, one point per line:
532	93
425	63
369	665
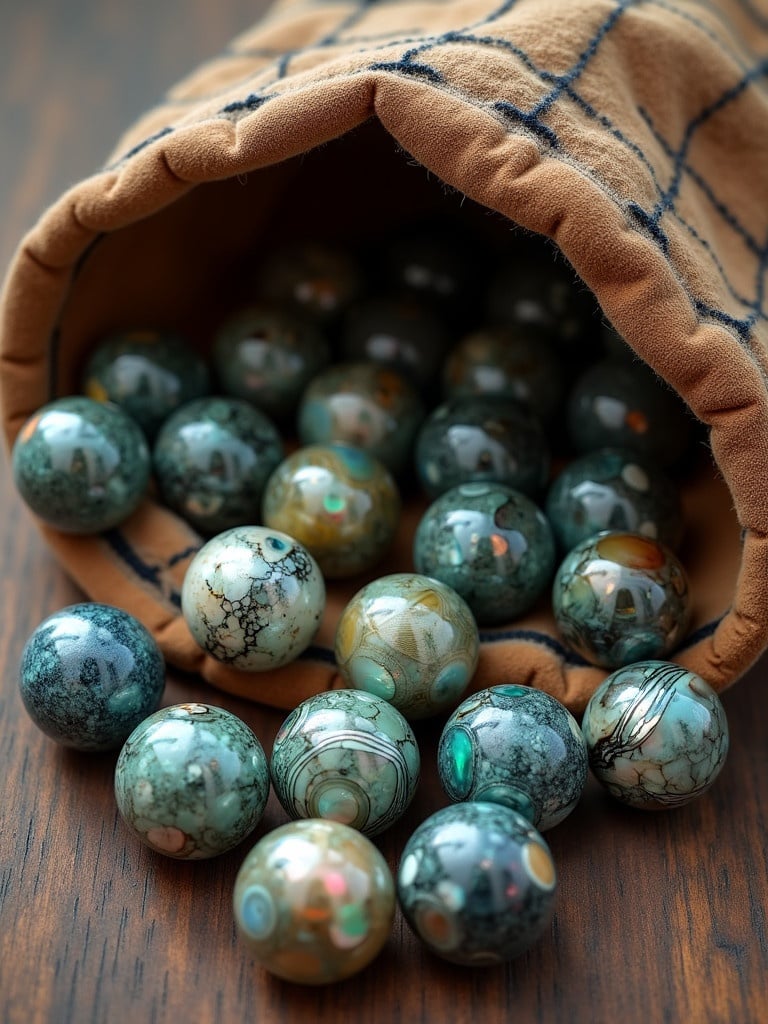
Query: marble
619	598
366	405
613	489
515	746
482	438
267	356
89	674
253	598
434	263
346	756
657	735
80	465
317	278
148	373
491	544
477	884
410	640
212	459
339	502
191	781
314	902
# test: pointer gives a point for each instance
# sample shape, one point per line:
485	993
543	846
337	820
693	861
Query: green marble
81	465
657	735
315	277
347	756
477	884
191	781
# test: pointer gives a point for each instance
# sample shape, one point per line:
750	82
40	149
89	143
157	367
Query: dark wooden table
660	917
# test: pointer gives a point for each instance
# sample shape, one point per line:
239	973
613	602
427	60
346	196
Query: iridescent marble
81	465
314	902
253	598
191	781
267	356
89	674
409	639
613	489
491	544
620	404
515	746
149	374
477	884
212	459
657	735
312	276
364	404
346	756
338	501
619	598
488	438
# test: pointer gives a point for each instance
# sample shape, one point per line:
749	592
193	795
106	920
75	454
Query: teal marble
314	902
267	356
613	489
477	884
491	544
339	502
364	404
191	781
409	639
516	746
253	598
657	735
346	756
618	404
312	276
89	674
482	438
212	459
148	373
619	598
80	465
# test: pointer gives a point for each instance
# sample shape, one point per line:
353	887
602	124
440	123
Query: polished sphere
319	279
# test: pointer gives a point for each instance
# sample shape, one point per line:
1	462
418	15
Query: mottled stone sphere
253	598
339	502
477	884
212	459
191	781
411	640
148	373
346	756
89	674
657	735
516	746
314	902
80	465
434	262
315	277
621	597
489	543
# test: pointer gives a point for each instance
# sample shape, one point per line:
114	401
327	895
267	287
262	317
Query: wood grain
660	917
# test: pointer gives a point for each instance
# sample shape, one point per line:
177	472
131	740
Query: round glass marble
212	459
515	746
366	405
410	640
657	735
191	781
267	357
312	276
253	598
434	263
613	489
314	901
148	373
80	465
477	884
484	438
489	543
338	501
89	674
619	598
346	756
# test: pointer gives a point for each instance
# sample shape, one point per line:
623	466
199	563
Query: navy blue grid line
731	51
760	19
148	573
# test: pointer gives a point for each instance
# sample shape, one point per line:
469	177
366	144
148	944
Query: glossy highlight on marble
315	277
